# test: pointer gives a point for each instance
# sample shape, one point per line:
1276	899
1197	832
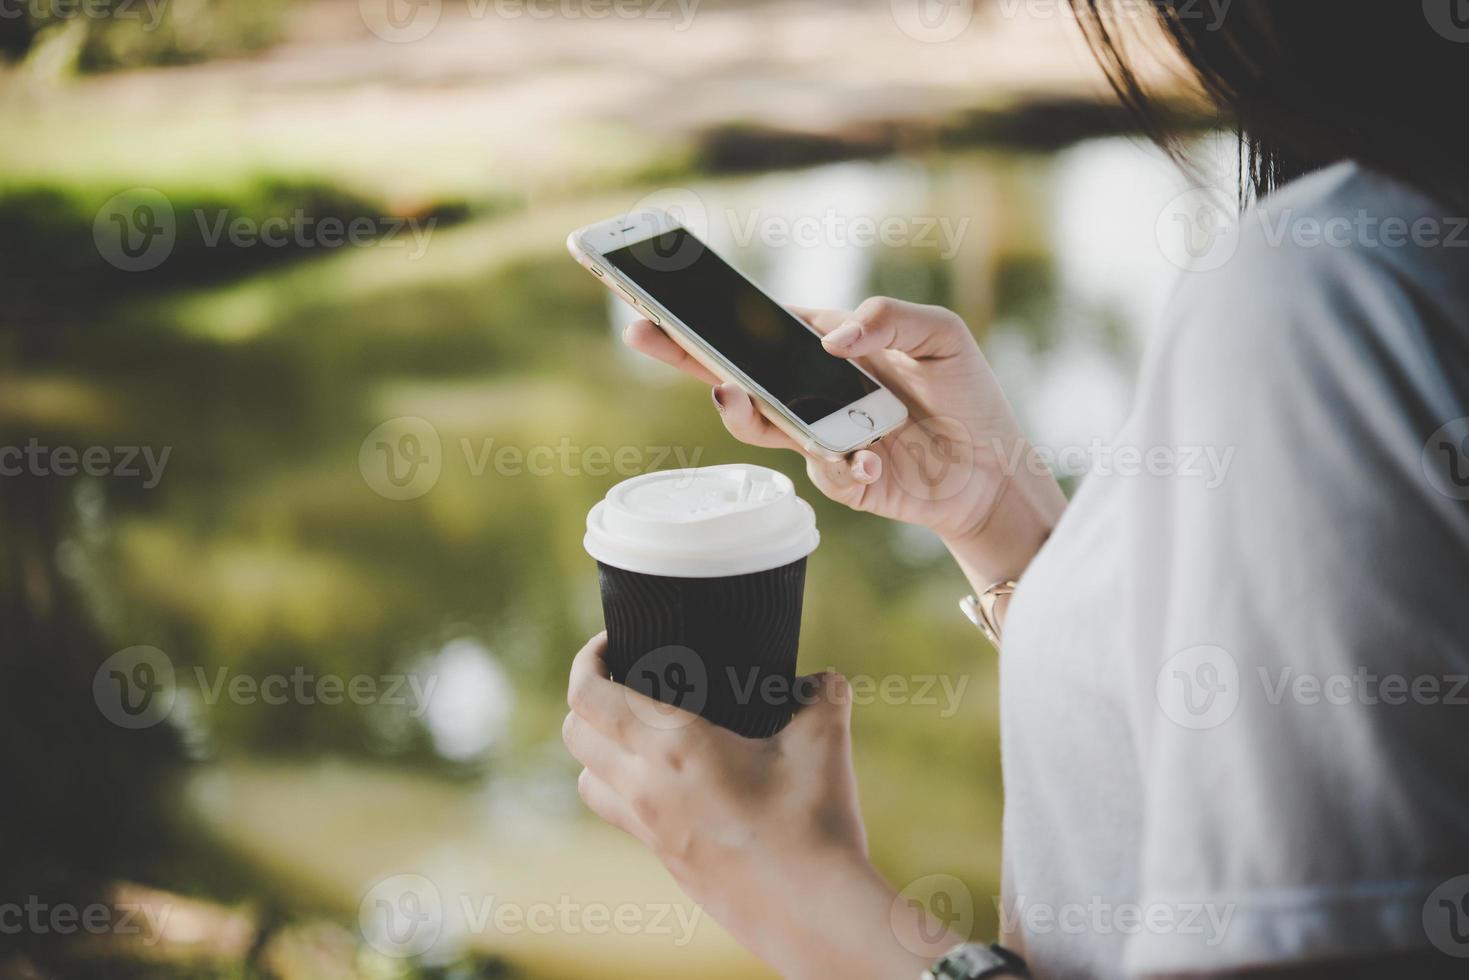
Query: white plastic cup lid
706	522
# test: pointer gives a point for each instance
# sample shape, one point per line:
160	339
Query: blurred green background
468	139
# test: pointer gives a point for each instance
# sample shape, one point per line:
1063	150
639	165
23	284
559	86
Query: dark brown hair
1309	83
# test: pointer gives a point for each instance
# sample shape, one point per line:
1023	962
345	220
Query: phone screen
747	327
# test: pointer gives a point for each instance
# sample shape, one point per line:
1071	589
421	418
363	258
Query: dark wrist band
973	961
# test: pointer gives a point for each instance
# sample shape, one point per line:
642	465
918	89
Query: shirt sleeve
1300	694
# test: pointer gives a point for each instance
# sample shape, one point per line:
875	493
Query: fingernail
717	393
844	336
862	469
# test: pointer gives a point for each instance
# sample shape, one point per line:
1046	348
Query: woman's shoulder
1343	270
1348	218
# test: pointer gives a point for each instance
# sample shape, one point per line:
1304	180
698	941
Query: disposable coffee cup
702	573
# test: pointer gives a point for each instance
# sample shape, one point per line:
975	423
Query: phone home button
861	418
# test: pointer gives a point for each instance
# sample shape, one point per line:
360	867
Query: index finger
645	337
825	321
616	710
592	694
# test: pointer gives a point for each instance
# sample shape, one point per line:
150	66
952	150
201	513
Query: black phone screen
750	329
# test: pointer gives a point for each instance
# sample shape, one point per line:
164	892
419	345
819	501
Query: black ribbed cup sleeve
724	648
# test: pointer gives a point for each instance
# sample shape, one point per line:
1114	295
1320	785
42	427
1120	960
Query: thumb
824	709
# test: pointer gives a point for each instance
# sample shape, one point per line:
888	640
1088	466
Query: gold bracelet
981	609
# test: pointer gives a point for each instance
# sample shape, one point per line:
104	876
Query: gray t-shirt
1235	710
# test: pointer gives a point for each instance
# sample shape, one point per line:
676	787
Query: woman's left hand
764	834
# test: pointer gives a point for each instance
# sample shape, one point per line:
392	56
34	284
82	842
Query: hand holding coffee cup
702	574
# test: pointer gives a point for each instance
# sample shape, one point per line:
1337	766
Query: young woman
1237	710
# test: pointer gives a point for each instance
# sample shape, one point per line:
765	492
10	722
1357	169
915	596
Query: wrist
847	927
1002	545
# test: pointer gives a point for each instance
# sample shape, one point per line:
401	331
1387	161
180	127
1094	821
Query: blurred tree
84	800
132	33
16	35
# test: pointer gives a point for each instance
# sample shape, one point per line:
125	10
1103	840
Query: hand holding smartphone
738	332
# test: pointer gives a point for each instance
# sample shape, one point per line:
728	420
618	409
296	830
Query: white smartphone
738	332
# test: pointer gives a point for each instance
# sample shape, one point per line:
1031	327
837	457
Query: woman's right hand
960	465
